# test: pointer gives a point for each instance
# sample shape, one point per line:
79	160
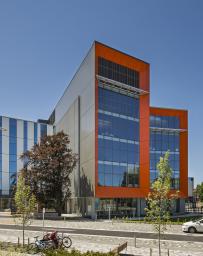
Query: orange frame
183	117
143	69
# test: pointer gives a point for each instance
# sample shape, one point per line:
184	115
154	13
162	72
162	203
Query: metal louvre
121	87
167	129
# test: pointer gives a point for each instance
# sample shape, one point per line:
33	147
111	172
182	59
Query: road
110	233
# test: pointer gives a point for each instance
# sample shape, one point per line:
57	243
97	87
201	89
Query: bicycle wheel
33	248
66	242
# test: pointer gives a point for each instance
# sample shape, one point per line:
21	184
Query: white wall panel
67	113
49	129
5	155
81	80
30	135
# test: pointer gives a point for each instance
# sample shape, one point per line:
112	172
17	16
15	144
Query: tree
25	203
160	200
199	191
48	168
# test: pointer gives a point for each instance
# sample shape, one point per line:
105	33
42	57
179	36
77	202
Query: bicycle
46	243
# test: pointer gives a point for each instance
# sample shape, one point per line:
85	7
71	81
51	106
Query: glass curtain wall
12	151
118	139
117	207
118	72
162	140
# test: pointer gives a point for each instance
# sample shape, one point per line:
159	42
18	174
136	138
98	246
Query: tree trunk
159	240
23	231
59	209
59	203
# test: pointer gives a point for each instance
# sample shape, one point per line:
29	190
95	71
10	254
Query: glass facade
118	72
116	207
12	150
162	140
118	139
35	133
25	132
171	122
43	130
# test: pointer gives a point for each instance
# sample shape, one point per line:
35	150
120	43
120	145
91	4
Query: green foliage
49	165
62	252
200	191
10	249
172	221
159	200
25	203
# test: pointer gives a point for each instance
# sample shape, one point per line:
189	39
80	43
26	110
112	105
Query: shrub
61	252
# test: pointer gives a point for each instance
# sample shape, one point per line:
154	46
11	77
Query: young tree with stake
160	200
25	203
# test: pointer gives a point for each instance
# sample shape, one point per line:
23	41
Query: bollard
28	241
168	253
135	240
150	252
18	241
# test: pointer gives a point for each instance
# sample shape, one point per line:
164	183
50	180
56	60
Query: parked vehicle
193	226
50	241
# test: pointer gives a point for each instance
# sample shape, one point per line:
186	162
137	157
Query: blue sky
43	42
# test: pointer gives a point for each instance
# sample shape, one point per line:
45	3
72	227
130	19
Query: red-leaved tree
47	170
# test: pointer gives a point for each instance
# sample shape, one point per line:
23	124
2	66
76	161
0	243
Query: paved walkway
104	244
89	224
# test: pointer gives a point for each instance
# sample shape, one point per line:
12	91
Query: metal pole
150	251
43	213
168	253
135	240
109	212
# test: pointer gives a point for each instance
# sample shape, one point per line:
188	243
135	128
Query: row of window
118	72
154	174
175	182
174	156
118	103
117	204
163	141
118	151
118	140
118	175
165	122
118	127
175	165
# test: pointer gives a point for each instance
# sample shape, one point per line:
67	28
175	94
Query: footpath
100	243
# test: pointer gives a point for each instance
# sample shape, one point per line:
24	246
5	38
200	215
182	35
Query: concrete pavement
105	236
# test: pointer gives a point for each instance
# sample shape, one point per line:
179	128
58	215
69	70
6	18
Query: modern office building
16	136
119	138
